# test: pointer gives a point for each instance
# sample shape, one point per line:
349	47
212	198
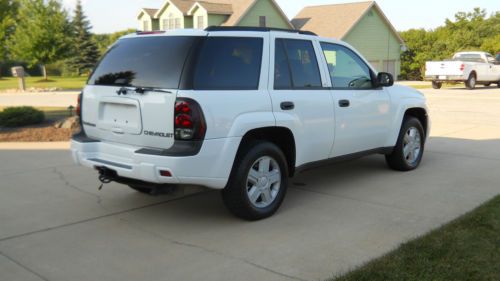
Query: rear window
144	62
229	63
469	58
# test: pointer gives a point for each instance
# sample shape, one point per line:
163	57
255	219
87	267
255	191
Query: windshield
155	62
469	57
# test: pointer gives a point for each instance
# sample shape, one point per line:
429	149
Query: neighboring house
363	25
175	14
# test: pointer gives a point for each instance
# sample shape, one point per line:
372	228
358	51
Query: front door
362	112
300	101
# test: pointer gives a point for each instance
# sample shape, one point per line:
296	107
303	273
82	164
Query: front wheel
409	149
437	85
258	182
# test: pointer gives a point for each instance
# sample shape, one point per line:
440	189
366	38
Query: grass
65	83
466	249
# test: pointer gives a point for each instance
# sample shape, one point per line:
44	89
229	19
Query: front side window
229	63
296	65
347	70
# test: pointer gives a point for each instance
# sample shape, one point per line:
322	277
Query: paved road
55	225
50	99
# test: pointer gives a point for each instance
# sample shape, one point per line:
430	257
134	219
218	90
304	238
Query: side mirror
385	79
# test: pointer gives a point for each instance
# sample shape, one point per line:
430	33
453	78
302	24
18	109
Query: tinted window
302	64
282	79
228	63
144	62
347	70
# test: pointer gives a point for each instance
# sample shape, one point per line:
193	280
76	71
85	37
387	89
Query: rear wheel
436	85
487	84
409	149
258	182
471	82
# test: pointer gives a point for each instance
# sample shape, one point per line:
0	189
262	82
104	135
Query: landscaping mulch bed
37	134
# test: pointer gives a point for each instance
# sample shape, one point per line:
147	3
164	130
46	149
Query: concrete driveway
56	225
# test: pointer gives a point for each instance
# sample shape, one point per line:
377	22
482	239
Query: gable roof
236	9
336	21
213	8
182	5
148	11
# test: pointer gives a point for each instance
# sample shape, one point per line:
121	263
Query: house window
171	23
262	21
165	24
201	22
145	25
178	23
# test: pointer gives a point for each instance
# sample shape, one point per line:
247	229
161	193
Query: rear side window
299	59
144	62
229	63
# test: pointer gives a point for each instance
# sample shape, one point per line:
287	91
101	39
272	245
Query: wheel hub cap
412	146
263	182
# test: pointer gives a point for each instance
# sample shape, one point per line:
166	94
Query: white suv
241	110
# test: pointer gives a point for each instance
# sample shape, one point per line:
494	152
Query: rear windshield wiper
140	90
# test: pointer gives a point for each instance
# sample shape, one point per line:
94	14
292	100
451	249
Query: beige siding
200	13
171	12
373	38
267	9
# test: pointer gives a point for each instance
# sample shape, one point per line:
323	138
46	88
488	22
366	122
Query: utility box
18	71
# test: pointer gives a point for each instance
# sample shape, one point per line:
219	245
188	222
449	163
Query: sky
109	16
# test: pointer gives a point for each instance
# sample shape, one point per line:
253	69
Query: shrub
21	116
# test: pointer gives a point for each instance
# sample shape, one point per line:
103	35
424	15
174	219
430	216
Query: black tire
487	84
397	160
498	84
235	195
437	85
471	82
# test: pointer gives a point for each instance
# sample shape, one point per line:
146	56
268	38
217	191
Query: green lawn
466	249
66	83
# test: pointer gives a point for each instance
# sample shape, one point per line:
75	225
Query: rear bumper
211	167
445	78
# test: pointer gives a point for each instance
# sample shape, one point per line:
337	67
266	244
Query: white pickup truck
473	68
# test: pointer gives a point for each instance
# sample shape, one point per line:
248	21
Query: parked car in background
241	110
472	68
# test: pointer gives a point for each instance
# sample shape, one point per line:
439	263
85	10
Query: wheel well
280	136
473	73
420	114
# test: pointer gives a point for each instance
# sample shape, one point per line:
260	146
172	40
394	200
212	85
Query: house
363	25
175	14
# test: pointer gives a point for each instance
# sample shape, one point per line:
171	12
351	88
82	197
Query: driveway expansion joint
24	267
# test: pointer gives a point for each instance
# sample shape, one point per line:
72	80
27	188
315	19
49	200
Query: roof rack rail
257	29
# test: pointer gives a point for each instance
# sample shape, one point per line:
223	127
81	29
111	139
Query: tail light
189	122
462	67
79	106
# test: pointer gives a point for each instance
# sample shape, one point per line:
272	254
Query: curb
34	146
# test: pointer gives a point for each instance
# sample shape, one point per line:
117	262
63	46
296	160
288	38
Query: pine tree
85	51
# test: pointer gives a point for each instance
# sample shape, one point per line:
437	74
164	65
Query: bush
21	116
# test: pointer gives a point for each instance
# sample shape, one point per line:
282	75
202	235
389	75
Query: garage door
390	66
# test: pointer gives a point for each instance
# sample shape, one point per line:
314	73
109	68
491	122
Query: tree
467	32
85	51
8	13
43	33
104	41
